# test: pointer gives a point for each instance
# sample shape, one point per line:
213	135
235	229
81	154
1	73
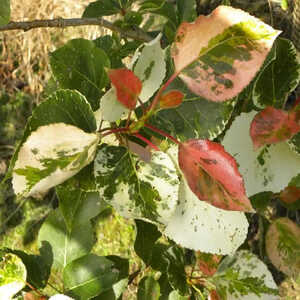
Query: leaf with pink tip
212	174
272	126
218	55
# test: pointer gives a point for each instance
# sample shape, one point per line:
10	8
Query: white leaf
269	169
200	226
111	109
60	297
50	155
151	68
249	265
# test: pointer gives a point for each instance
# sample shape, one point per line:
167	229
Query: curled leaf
171	99
128	86
272	126
218	55
212	174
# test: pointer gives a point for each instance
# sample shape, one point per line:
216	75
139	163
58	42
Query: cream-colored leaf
200	226
50	155
269	169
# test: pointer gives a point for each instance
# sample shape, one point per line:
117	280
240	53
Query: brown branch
137	33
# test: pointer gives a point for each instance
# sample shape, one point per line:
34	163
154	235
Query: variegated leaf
50	155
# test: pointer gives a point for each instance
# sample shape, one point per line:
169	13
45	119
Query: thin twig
137	33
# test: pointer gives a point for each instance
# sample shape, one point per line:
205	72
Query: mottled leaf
195	117
247	278
101	8
128	86
65	246
79	65
218	62
50	155
200	221
12	275
208	263
148	289
279	78
90	275
262	170
290	196
63	106
294	143
171	99
272	126
150	67
137	189
212	174
283	246
4	12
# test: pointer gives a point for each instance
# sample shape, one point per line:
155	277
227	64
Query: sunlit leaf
283	246
12	276
218	62
150	67
65	246
204	227
101	8
137	189
272	126
262	170
128	86
111	109
212	174
60	297
50	155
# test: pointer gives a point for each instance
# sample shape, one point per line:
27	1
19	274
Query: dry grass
24	61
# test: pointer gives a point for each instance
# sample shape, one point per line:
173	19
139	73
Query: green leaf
136	189
186	10
12	275
196	117
279	78
76	206
43	163
38	270
147	235
4	12
174	295
101	8
176	270
247	278
89	276
148	289
294	143
63	106
261	201
79	65
65	246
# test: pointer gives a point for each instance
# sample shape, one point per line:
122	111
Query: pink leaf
272	126
218	55
212	174
171	99
128	86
